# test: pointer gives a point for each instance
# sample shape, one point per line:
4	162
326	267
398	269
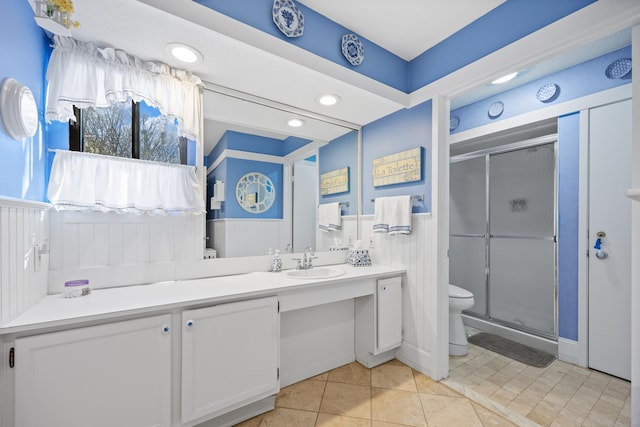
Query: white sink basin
316	273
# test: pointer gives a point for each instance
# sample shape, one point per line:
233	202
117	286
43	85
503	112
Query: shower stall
503	232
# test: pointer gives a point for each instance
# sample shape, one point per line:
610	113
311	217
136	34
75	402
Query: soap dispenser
276	263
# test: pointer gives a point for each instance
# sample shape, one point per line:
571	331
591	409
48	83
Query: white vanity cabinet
378	320
230	355
116	374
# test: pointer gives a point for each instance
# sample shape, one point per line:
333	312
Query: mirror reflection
263	177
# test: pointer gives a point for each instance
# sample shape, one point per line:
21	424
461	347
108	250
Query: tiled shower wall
23	281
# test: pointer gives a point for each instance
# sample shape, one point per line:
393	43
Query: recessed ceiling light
295	123
328	99
184	53
505	79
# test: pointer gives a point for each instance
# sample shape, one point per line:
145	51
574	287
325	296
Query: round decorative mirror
255	192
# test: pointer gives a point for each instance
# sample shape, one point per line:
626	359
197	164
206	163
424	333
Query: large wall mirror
247	138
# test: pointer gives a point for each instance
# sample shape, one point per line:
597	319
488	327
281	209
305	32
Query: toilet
459	299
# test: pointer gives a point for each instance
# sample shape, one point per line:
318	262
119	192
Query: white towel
392	215
380	217
329	217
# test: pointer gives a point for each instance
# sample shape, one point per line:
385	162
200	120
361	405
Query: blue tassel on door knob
601	253
598	243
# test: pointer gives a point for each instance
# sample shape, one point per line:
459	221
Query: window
133	130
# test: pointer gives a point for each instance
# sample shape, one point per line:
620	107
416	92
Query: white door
610	215
117	374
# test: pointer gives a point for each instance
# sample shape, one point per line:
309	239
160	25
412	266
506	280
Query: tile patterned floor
390	395
483	389
560	395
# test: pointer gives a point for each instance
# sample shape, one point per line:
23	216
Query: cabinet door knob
189	323
166	329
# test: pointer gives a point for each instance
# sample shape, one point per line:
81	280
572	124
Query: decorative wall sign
288	18
333	182
401	167
352	49
255	192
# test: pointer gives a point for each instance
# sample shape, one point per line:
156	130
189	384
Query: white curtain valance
84	75
93	182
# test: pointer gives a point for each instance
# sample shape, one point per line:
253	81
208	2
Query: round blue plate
496	109
352	49
618	69
288	18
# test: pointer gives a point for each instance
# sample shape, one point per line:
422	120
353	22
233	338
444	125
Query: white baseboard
235	417
371	360
308	371
568	350
414	357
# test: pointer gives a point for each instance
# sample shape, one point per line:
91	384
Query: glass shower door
468	229
522	238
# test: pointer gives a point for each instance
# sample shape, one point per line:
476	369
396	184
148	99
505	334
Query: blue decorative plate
288	18
496	109
352	49
619	68
547	92
454	121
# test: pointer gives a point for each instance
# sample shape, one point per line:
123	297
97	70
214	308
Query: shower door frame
486	153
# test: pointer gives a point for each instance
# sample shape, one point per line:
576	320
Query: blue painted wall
23	49
568	180
321	37
230	171
574	82
341	152
397	132
505	24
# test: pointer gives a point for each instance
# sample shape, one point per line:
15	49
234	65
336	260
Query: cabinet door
389	314
117	374
229	357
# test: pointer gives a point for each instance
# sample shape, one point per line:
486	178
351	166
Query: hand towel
380	217
329	217
392	215
399	211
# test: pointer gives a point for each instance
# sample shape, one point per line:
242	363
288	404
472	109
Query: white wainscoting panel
247	237
111	249
348	233
23	225
419	290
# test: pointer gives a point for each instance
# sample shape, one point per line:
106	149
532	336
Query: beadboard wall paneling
325	240
419	291
23	225
234	237
112	249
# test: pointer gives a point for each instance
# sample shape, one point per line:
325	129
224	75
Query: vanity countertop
55	311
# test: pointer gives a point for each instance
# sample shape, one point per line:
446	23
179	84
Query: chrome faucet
305	262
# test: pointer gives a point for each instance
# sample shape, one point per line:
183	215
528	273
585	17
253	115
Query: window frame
76	134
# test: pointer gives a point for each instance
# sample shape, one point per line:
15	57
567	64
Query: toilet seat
458	292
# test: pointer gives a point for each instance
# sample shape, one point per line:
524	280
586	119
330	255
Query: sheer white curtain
93	182
84	75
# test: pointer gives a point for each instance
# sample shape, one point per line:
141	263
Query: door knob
601	252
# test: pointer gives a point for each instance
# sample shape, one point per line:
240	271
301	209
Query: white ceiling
404	27
244	59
